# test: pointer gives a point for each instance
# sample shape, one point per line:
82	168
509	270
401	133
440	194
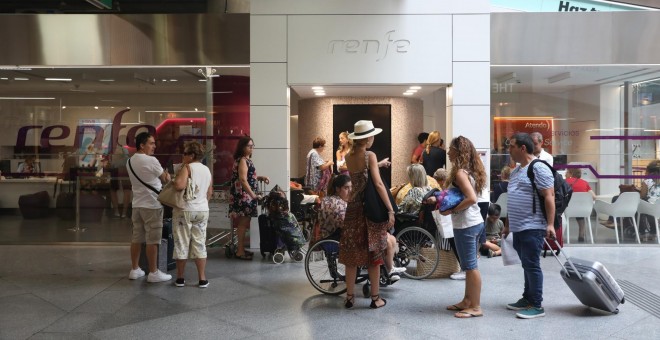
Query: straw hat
363	129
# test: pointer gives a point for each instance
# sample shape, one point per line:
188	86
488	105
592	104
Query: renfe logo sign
369	46
51	133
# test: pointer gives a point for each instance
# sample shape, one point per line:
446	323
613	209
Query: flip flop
467	315
454	307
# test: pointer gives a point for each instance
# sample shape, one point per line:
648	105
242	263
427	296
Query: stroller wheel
228	252
278	257
297	256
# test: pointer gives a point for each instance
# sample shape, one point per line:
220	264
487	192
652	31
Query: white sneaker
395	278
455	276
135	274
397	270
158	276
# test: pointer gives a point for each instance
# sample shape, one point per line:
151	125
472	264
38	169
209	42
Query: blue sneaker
531	313
519	305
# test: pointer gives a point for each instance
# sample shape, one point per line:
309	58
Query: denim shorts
467	241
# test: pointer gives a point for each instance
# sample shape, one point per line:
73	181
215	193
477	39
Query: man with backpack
529	224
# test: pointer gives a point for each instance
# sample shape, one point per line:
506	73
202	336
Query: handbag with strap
374	207
174	198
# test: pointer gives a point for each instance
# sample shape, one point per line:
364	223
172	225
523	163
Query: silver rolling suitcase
591	283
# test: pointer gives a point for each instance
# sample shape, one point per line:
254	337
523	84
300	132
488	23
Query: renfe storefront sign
369	49
565	6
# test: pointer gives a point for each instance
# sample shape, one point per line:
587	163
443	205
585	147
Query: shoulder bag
374	207
174	198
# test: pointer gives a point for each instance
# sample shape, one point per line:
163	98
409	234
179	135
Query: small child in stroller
289	233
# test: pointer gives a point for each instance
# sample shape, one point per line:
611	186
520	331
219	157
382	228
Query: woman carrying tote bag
189	222
362	242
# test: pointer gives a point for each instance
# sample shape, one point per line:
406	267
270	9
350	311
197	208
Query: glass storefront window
67	133
599	119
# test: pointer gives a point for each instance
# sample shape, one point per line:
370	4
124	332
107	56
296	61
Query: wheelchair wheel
297	255
417	252
323	270
229	253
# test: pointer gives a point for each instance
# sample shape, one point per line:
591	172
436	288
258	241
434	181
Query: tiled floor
81	292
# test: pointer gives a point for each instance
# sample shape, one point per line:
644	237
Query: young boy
490	243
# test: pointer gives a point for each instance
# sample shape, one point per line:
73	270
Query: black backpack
563	191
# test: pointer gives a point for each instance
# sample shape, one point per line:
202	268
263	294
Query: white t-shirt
545	156
201	176
149	170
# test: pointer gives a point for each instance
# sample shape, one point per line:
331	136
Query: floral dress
362	242
240	202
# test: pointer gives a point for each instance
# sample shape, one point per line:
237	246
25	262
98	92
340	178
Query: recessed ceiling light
106	80
96	107
408	93
21	79
173	80
319	93
3	78
315	91
317	87
26	98
411	91
58	79
415	87
64	107
202	80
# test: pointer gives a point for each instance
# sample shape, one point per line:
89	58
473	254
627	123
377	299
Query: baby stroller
288	232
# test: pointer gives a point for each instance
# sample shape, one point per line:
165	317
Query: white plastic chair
652	210
581	205
501	201
625	206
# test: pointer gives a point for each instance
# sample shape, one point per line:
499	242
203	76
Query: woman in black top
502	186
434	157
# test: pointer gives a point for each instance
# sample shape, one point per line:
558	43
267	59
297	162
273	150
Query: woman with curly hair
467	174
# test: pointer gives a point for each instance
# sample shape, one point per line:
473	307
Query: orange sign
505	127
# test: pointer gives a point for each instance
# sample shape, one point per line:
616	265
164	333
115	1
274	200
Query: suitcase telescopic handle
568	260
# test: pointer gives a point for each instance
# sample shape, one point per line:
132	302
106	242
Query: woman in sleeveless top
344	147
189	224
363	243
467	174
243	193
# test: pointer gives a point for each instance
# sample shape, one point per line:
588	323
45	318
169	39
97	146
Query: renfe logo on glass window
378	48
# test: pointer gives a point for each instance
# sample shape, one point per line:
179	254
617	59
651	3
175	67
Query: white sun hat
363	129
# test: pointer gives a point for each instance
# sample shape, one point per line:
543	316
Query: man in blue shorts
529	229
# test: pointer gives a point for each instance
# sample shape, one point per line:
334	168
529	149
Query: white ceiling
365	90
133	80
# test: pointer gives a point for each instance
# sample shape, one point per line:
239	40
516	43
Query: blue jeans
529	244
467	243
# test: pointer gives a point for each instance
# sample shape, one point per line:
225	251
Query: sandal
244	257
373	304
349	301
455	308
467	315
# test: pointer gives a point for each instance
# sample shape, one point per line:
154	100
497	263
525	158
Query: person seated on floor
491	238
419	186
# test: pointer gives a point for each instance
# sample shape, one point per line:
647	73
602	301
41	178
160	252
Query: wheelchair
328	276
418	253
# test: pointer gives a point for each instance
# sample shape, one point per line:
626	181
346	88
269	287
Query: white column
269	103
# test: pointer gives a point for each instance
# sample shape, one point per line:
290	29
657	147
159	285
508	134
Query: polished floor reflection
82	292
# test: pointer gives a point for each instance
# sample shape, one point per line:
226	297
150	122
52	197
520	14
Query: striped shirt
521	194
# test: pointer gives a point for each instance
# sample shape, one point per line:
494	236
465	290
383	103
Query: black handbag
374	208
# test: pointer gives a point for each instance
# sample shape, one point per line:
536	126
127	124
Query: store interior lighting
559	77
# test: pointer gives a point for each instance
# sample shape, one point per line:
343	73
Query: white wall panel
369	49
472	122
273	163
268	38
471	37
471	84
270	127
368	6
268	84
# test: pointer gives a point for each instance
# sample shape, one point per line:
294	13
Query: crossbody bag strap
141	181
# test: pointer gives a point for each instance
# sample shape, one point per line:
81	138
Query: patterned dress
331	215
362	242
240	203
